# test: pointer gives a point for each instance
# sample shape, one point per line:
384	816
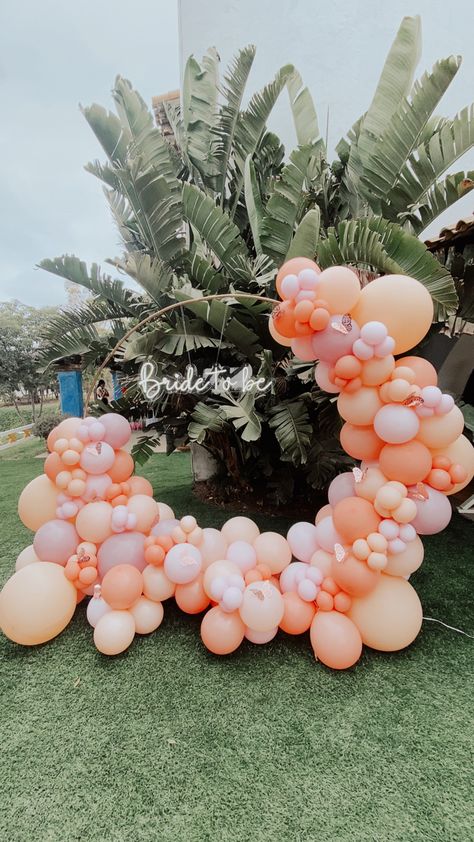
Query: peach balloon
324	511
355	518
93	522
147	615
36	603
273	550
53	465
26	557
165	511
38	502
146	511
441	430
156	585
360	407
339	286
389	618
408	463
298	614
66	429
114	632
460	452
97	458
406	562
335	639
278	337
240	529
117	429
371	481
293	267
425	373
360	442
122	467
122	586
218	568
262	606
140	485
222	632
353	576
191	597
323	561
212	546
376	371
402	304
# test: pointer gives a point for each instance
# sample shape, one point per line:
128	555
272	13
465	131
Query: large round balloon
124	548
441	430
425	373
56	541
408	463
402	304
360	442
335	639
222	632
406	562
360	407
389	618
114	632
36	603
460	452
38	502
433	514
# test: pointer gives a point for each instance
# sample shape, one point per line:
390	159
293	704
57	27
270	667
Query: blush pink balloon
117	429
242	554
302	540
326	534
165	527
433	514
321	376
183	563
341	487
292	576
56	541
302	348
97	457
213	546
396	424
96	487
123	548
331	343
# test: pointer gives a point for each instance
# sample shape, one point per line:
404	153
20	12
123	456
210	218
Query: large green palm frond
242	414
437	199
199	113
72	269
291	424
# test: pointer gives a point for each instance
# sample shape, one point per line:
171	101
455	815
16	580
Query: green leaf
199	114
150	273
283	205
253	201
220	316
205	418
233	91
303	110
109	131
439	197
72	269
174	340
243	415
159	206
292	427
131	108
306	236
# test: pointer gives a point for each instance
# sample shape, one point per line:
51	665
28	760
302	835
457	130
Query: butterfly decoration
259	594
276	312
413	400
345	326
339	552
98	448
359	474
419	492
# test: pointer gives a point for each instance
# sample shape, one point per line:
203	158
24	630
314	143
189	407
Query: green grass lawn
9	418
170	743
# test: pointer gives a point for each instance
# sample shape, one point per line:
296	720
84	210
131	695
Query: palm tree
218	209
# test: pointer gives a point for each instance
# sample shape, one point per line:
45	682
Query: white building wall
339	47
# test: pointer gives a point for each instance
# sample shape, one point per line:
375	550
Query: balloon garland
100	534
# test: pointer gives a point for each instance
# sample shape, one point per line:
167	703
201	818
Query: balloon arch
344	578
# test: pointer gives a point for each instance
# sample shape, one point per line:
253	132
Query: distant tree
20	349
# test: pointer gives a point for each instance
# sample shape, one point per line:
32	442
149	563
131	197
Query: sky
53	56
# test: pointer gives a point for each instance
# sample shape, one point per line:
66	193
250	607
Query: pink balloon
123	548
302	348
321	376
97	457
327	535
117	429
56	541
331	343
302	540
433	514
341	487
165	527
242	554
96	487
396	424
293	575
183	563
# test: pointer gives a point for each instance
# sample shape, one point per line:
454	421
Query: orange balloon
377	371
94	521
355	518
38	502
353	576
360	407
389	618
53	465
192	598
372	480
441	430
282	340
408	463
222	632
146	511
122	585
425	373
402	304
140	485
284	320
459	452
335	639
122	468
361	442
298	614
294	267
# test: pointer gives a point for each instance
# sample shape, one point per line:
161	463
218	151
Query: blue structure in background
70	392
117	386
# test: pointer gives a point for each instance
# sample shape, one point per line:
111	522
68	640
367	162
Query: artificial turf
167	742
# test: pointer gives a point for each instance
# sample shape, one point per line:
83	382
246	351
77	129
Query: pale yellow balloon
441	430
26	557
389	617
38	502
36	603
461	452
402	304
405	563
156	585
94	521
273	550
147	615
339	286
360	407
240	529
114	632
146	510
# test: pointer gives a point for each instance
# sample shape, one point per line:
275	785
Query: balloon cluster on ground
100	535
